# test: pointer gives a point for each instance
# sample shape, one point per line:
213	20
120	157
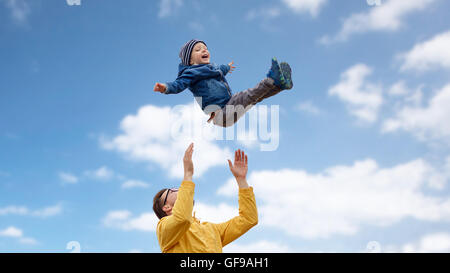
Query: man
178	231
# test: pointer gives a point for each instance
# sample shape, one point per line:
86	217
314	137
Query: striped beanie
186	50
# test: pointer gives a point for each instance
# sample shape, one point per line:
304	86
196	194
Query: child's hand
231	66
160	87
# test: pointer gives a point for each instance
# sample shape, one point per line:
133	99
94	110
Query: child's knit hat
186	50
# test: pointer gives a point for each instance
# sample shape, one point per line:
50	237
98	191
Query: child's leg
253	95
271	93
278	78
242	101
286	72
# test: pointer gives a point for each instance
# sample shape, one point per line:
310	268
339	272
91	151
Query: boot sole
282	79
286	71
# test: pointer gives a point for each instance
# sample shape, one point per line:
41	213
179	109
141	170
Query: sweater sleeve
181	83
248	218
224	68
171	228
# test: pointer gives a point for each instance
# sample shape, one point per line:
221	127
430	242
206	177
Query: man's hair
157	206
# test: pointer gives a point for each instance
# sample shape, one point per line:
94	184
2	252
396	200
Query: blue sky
363	149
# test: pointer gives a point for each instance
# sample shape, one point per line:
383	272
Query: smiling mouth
205	56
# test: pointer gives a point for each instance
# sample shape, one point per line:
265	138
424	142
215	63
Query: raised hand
240	166
187	162
160	87
231	66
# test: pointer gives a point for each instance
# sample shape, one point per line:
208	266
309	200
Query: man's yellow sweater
182	233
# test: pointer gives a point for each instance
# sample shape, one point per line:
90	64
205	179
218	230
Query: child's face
200	54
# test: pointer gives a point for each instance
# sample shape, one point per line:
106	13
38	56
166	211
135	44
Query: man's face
170	196
200	54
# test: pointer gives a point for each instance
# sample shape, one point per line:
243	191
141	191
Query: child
211	90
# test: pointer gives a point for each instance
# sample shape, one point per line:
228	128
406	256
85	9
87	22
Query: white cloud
68	178
435	242
308	107
305	6
130	184
262	246
341	200
19	9
17	210
196	26
249	139
252	130
428	123
263	13
41	213
48	211
402	95
389	16
399	89
11	232
135	251
161	135
116	215
28	241
264	16
427	55
167	7
123	220
103	173
17	233
362	98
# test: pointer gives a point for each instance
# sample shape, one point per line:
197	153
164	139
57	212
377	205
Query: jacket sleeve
181	83
224	68
171	228
248	218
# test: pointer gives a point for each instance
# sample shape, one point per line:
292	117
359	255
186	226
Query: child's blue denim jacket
204	80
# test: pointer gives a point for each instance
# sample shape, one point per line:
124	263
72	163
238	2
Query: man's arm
172	228
248	214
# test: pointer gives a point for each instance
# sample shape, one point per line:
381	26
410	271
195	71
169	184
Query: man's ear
167	208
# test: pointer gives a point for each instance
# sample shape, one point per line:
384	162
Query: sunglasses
168	191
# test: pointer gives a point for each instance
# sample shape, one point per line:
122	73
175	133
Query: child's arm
160	87
175	87
227	68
